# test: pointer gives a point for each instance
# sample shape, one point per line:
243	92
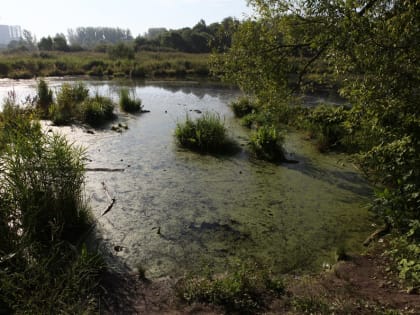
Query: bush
326	123
44	97
205	134
246	290
121	51
405	253
97	110
242	107
68	100
266	142
42	218
128	104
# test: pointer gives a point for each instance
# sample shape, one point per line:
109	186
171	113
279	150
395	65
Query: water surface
177	211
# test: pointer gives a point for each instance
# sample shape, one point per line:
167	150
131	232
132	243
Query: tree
369	48
60	42
46	43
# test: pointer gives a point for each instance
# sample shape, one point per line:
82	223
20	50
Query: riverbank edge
362	284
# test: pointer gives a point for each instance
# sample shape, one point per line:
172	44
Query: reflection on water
177	210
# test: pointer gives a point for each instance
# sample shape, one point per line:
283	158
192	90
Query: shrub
266	143
326	123
205	134
44	97
246	290
242	107
97	110
128	104
68	100
42	218
121	51
405	253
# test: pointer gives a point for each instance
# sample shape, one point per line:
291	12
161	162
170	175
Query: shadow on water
344	179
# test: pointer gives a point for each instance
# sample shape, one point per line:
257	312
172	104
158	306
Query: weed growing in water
129	104
205	134
266	142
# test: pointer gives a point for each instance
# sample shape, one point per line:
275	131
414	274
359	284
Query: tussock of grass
205	134
266	143
129	104
97	110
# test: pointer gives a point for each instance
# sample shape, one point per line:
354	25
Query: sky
48	17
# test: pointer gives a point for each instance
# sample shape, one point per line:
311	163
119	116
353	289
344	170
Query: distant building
9	33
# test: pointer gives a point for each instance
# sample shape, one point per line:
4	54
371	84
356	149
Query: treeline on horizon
201	38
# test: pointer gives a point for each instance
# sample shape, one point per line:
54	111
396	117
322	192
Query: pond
178	211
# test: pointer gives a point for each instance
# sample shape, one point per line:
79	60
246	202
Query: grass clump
129	104
205	134
242	107
97	110
44	97
43	270
266	143
69	98
246	290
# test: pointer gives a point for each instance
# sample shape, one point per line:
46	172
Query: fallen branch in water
109	197
104	169
109	207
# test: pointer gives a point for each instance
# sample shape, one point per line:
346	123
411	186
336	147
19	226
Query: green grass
267	144
242	107
43	268
205	134
129	104
143	65
97	110
247	289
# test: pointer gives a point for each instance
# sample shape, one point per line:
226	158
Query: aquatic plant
205	134
69	97
44	97
242	107
97	110
266	143
129	104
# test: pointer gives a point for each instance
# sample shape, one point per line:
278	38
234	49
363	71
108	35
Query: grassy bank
143	65
44	266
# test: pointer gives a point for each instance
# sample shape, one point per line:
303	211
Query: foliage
205	134
326	123
89	37
44	97
242	107
405	252
69	97
266	143
97	110
42	218
367	49
129	104
310	305
121	51
144	64
246	289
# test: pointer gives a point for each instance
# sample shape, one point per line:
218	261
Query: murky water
176	210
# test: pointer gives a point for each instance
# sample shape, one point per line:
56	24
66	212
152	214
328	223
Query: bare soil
359	285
